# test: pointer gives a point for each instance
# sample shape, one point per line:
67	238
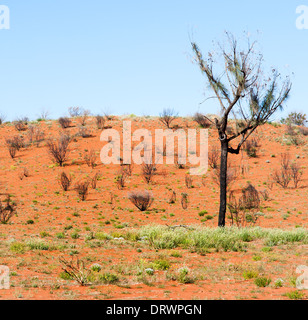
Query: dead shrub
167	117
112	201
121	178
230	131
100	122
265	194
232	175
251	147
293	136
128	169
11	148
65	181
84	117
202	120
59	149
82	189
35	135
148	170
24	173
203	180
76	270
7	210
172	198
94	180
188	181
64	122
178	163
90	158
84	132
303	131
75	112
2	118
244	210
141	199
21	124
14	144
282	176
184	201
214	157
296	173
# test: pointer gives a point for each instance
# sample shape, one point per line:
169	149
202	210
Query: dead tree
242	90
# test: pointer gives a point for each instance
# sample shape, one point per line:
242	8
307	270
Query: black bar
151	309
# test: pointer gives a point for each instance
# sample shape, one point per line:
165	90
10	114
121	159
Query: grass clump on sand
220	239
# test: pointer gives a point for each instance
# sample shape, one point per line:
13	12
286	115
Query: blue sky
134	56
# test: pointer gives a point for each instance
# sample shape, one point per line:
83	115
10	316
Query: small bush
7	210
65	181
100	122
84	132
214	157
21	124
295	295
35	135
250	274
188	181
18	247
148	170
167	117
75	270
94	180
2	118
251	147
183	276
303	131
82	189
296	173
64	122
141	199
244	210
172	198
14	144
202	120
59	149
263	282
84	117
109	278
120	179
90	158
96	267
184	200
161	264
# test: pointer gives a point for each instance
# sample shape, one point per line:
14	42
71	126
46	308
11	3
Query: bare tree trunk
223	183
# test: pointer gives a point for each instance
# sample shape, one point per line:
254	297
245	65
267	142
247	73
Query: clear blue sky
134	56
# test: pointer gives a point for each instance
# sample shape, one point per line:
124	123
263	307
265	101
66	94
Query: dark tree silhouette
243	91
